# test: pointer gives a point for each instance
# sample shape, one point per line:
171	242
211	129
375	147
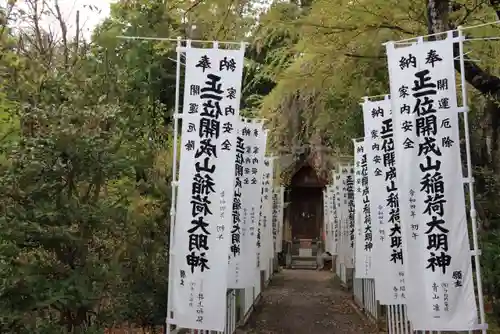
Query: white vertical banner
278	217
347	215
358	235
336	214
205	188
281	218
257	213
341	214
331	217
268	210
326	216
251	144
264	234
350	218
236	252
274	216
363	241
436	250
388	270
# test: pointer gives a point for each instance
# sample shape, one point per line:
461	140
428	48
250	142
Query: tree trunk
489	85
437	18
437	15
492	116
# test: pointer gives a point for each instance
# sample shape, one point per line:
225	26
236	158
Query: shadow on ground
306	301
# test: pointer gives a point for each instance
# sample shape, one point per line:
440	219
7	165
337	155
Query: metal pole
399	319
476	251
163	39
173	184
390	316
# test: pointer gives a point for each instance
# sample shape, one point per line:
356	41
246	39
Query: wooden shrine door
306	207
306	216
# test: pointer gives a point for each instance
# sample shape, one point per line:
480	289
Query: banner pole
174	185
470	180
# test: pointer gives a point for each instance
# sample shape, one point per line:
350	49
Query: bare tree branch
35	17
64	33
468	12
339	29
77	37
226	15
5	23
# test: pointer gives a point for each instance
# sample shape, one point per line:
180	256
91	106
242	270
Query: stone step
304	267
304	264
303	258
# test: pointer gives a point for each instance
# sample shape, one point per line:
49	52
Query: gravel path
303	302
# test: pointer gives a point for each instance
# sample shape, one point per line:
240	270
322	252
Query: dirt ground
303	302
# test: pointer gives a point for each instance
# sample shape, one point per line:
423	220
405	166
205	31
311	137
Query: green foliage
85	148
85	159
324	57
84	177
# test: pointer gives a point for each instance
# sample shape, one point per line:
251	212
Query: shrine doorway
305	212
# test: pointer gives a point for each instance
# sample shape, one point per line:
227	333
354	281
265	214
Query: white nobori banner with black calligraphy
346	212
268	210
251	144
351	232
337	186
437	253
364	241
278	202
265	241
326	216
387	259
331	219
206	187
281	218
274	217
341	212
